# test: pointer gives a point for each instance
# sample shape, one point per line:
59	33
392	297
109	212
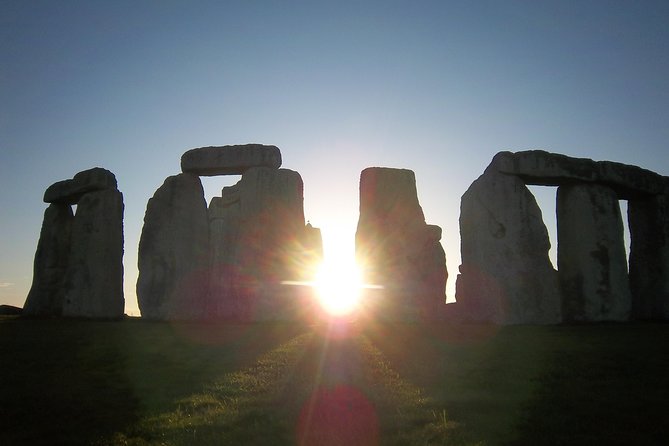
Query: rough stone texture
174	252
592	262
71	191
224	227
229	160
395	247
649	257
506	275
94	278
259	240
47	291
551	169
271	228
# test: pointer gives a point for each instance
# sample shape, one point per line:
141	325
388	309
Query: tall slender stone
94	278
47	291
174	252
592	262
506	276
649	257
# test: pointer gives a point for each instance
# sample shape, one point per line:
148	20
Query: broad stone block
506	276
396	248
592	262
174	252
229	160
71	191
53	249
94	278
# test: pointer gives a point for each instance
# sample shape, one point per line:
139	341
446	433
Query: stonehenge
78	267
226	260
232	258
394	246
505	276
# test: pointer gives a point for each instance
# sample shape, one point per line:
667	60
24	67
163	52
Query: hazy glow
339	285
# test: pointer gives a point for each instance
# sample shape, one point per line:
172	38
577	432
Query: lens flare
339	287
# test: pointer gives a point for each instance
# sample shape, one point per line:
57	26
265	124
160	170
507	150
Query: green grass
146	383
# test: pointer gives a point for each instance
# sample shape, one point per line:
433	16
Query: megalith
394	246
259	241
173	256
47	291
648	219
230	160
506	276
78	269
94	276
592	262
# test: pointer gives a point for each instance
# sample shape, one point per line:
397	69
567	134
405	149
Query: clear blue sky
436	87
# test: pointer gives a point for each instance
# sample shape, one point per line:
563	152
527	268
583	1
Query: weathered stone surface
174	252
47	292
258	240
592	262
224	228
649	257
71	191
551	169
94	277
229	160
506	276
395	247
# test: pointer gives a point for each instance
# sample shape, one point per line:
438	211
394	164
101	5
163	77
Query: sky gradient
435	87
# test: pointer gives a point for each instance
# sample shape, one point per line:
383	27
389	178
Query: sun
339	287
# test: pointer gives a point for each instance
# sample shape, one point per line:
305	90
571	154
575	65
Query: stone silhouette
394	246
173	251
78	269
46	294
227	260
592	271
229	160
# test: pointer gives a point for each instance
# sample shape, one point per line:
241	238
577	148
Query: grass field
142	383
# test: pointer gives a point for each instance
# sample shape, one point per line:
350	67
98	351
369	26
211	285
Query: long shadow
62	382
611	386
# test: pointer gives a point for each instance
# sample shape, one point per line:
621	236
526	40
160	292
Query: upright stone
649	257
94	278
174	252
592	263
506	276
47	292
230	160
395	247
224	226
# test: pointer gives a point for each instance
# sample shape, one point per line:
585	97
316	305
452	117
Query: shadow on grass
607	384
62	382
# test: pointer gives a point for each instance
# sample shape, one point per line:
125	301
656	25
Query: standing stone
649	257
47	292
94	278
174	252
395	247
506	275
592	263
224	226
272	223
